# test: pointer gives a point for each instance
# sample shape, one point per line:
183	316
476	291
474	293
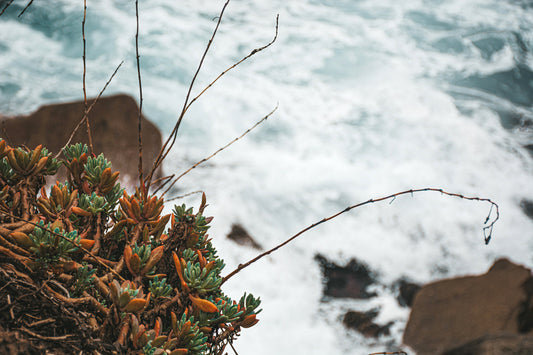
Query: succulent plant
102	247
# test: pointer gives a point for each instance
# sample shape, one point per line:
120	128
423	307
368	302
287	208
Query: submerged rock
114	131
240	236
527	207
363	322
451	312
407	292
350	281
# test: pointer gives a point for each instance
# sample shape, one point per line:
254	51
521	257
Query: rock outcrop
241	236
363	322
114	128
407	292
448	313
350	281
496	344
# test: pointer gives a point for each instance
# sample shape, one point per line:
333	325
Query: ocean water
374	98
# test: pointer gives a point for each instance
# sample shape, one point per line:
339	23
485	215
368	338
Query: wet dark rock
496	344
363	322
114	130
529	148
350	281
455	311
527	207
525	318
407	292
240	236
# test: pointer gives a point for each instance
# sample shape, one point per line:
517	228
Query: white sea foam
370	102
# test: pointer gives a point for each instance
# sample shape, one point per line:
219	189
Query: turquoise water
373	99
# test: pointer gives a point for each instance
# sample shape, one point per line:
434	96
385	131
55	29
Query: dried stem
59	338
84	74
219	150
236	64
89	110
140	99
172	137
5	7
187	105
182	196
487	230
388	353
24	10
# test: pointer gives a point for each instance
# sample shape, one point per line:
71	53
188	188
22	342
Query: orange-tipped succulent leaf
177	263
249	321
135	305
22	239
155	256
179	352
87	243
81	212
203	305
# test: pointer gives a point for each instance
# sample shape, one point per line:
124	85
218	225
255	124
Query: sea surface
373	97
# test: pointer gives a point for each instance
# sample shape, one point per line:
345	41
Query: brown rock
350	281
496	344
407	292
114	130
240	236
451	312
363	322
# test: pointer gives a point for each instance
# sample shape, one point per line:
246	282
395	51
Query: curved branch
487	230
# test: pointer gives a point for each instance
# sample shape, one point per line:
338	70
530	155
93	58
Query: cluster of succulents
154	280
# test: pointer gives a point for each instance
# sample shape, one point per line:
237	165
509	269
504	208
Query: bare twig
23	10
163	180
393	353
172	137
29	332
84	74
487	230
253	52
219	150
182	196
89	110
140	101
186	107
5	7
231	344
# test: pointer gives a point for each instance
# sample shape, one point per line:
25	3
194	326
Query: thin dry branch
219	150
24	10
390	353
186	107
89	110
187	194
236	64
84	75
172	137
487	230
58	338
5	7
163	180
140	99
